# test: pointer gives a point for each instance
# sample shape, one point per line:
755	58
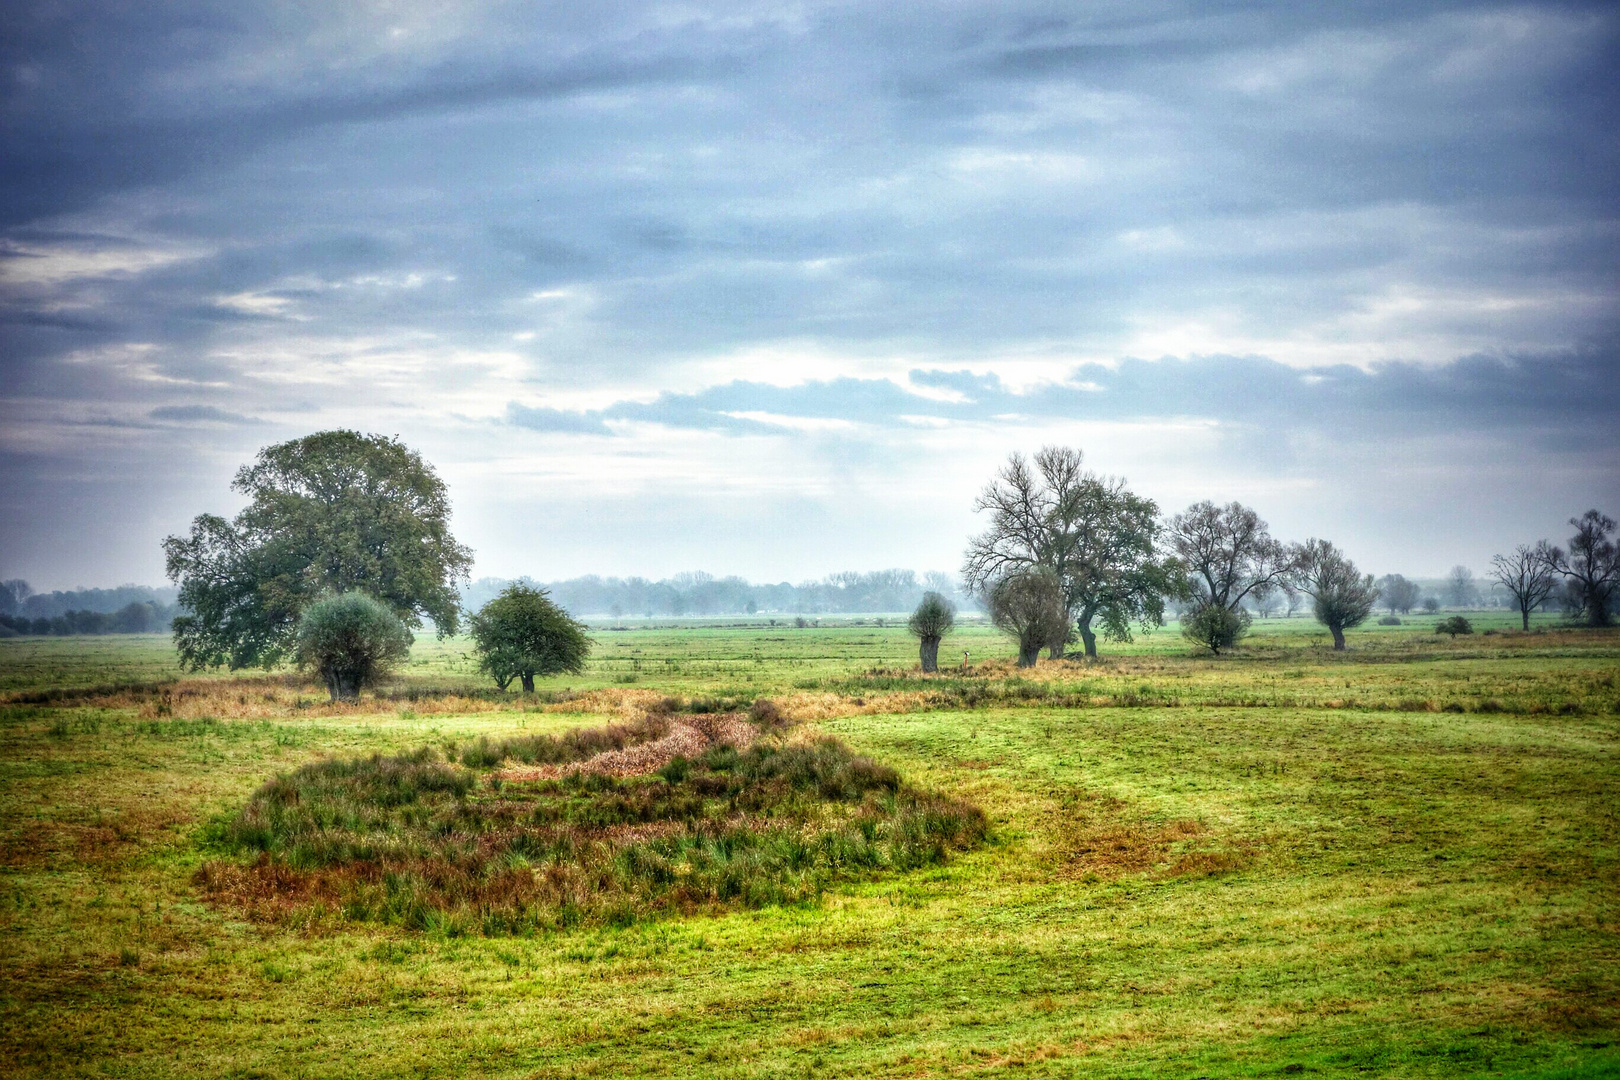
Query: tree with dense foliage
350	641
1529	575
1028	604
1341	596
521	634
1431	604
1455	625
1098	539
934	618
1591	568
1460	587
329	513
1398	594
1229	557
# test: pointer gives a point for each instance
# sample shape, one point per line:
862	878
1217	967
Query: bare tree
1028	604
1229	556
1460	588
1398	594
1096	537
1341	596
934	618
1591	569
1530	574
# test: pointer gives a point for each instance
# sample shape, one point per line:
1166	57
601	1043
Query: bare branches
1530	574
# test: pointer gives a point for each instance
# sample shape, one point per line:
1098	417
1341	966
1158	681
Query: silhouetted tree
350	641
1460	588
1397	593
1097	538
332	512
1591	568
521	634
1341	596
1028	604
1529	575
934	618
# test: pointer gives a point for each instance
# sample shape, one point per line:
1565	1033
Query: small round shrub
1390	620
1215	626
350	641
1453	626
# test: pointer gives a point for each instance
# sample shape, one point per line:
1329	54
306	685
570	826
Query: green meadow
1403	860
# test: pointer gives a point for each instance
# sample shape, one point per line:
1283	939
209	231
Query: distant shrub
1431	604
1390	620
1453	626
1215	627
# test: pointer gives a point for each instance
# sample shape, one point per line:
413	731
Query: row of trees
704	594
1069	553
133	618
343	548
1587	574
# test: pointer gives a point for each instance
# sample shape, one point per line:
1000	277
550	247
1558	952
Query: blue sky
771	289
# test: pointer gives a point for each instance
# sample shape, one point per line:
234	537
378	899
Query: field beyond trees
1402	860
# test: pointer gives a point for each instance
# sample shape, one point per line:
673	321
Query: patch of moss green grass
1320	883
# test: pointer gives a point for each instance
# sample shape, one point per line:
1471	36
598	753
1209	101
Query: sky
773	289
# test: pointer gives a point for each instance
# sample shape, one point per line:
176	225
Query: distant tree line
700	594
129	609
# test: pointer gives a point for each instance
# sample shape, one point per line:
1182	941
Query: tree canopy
1097	538
521	634
332	512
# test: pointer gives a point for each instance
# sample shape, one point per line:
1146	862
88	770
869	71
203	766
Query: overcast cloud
771	289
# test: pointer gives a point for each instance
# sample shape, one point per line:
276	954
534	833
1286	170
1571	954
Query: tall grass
425	842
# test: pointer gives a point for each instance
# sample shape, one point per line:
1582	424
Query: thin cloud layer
780	256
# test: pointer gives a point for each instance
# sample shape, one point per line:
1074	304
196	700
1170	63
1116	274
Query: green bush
350	641
521	634
1214	627
1453	626
1390	620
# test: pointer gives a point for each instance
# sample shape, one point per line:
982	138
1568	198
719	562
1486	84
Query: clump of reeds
428	841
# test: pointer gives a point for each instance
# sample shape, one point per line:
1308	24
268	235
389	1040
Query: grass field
1399	861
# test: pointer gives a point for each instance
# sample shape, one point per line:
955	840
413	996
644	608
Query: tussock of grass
424	842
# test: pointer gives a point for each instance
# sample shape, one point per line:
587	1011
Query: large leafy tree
330	513
1097	537
521	634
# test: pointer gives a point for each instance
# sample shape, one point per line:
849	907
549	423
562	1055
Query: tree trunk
1524	613
929	654
1338	638
528	682
1087	636
1028	654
